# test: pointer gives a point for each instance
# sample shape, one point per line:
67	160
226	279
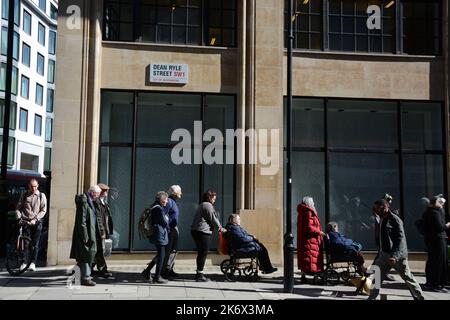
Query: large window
23	120
41	34
409	27
37	125
43	5
16	45
349	153
53	12
147	150
39	94
40	64
51	71
48	129
50	97
11	149
25	87
195	22
26	53
27	22
12	114
15	78
52	42
4	46
5	11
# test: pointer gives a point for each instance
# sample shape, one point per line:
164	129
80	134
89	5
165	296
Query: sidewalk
51	283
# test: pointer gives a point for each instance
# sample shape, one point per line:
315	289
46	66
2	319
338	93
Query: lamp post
288	237
4	197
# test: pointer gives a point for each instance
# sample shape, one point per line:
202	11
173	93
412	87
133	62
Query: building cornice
37	11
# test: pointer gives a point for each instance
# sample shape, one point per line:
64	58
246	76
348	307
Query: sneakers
200	277
32	267
22	266
88	283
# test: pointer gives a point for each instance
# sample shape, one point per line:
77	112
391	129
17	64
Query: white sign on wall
169	73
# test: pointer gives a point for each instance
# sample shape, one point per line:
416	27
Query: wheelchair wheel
18	253
345	276
331	277
250	273
224	265
232	273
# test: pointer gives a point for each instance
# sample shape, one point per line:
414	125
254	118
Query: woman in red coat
309	238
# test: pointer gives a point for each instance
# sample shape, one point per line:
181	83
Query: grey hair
438	199
173	189
308	200
161	195
331	226
94	188
232	217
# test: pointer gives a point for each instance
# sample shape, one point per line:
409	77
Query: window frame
40	62
37	119
24	15
41	27
39	103
27	96
25	45
25	112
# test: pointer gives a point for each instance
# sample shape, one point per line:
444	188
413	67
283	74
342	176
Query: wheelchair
338	265
240	265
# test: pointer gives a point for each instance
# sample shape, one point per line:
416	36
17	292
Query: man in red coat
309	237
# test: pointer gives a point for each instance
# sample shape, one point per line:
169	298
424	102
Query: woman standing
436	242
161	236
309	238
205	222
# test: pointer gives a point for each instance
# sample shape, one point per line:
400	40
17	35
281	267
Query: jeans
202	241
85	270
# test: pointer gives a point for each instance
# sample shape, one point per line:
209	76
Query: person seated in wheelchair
244	243
342	248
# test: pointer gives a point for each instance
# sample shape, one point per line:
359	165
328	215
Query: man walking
104	228
84	244
31	209
393	252
173	212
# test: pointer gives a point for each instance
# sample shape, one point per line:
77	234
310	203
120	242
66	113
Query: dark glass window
53	12
51	71
153	148
43	5
50	97
48	129
4	46
47	159
422	23
12	115
5	11
11	149
16	45
41	34
307	24
171	21
355	153
52	42
405	26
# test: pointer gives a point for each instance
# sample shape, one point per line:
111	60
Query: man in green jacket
84	246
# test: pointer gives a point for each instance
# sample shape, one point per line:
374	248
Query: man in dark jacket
393	252
84	245
436	241
104	229
243	242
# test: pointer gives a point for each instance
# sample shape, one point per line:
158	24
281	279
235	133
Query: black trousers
436	266
263	258
99	256
34	232
202	241
160	262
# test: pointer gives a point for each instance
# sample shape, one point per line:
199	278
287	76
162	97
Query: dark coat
241	240
104	220
343	246
309	240
393	238
436	243
161	222
84	245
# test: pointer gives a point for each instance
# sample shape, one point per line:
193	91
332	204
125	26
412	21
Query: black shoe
160	280
146	274
200	277
168	274
271	270
88	283
105	274
173	274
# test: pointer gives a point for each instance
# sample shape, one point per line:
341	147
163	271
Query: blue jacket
172	210
241	240
339	244
161	222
